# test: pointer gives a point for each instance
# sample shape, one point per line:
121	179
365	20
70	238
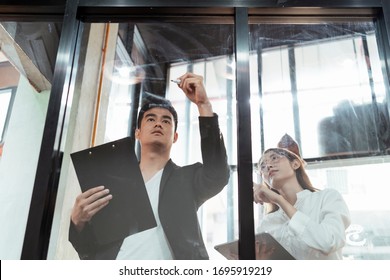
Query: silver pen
176	81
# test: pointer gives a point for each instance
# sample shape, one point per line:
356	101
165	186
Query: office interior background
73	73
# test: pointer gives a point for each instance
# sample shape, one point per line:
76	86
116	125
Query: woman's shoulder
328	193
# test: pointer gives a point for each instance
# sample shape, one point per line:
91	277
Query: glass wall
323	84
122	63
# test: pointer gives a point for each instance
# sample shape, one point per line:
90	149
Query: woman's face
276	168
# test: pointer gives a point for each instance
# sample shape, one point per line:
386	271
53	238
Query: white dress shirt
316	231
150	244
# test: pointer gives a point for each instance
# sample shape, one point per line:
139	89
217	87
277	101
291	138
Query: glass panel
138	60
5	106
27	58
323	85
320	93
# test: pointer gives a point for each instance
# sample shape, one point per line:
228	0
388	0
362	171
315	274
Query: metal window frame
73	12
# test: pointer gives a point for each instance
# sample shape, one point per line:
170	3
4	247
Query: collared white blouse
317	229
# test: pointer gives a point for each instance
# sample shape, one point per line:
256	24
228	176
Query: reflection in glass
321	80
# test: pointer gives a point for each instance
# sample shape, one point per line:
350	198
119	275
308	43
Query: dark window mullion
40	217
246	242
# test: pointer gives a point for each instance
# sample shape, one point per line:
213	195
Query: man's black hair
153	101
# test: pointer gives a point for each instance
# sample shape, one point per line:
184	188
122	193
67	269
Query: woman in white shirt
308	223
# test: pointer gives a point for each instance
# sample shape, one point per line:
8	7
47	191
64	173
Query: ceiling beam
20	60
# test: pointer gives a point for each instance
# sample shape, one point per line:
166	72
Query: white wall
18	166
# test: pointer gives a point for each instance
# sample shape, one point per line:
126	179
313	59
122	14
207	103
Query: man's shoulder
174	166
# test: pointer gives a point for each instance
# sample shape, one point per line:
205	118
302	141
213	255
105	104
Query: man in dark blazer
178	191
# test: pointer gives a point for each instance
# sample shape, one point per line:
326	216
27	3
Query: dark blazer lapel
168	169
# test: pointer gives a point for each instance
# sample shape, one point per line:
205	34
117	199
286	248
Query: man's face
157	128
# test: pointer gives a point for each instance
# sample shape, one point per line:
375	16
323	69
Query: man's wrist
205	110
78	225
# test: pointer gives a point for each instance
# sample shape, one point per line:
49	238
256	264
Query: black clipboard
115	166
230	249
